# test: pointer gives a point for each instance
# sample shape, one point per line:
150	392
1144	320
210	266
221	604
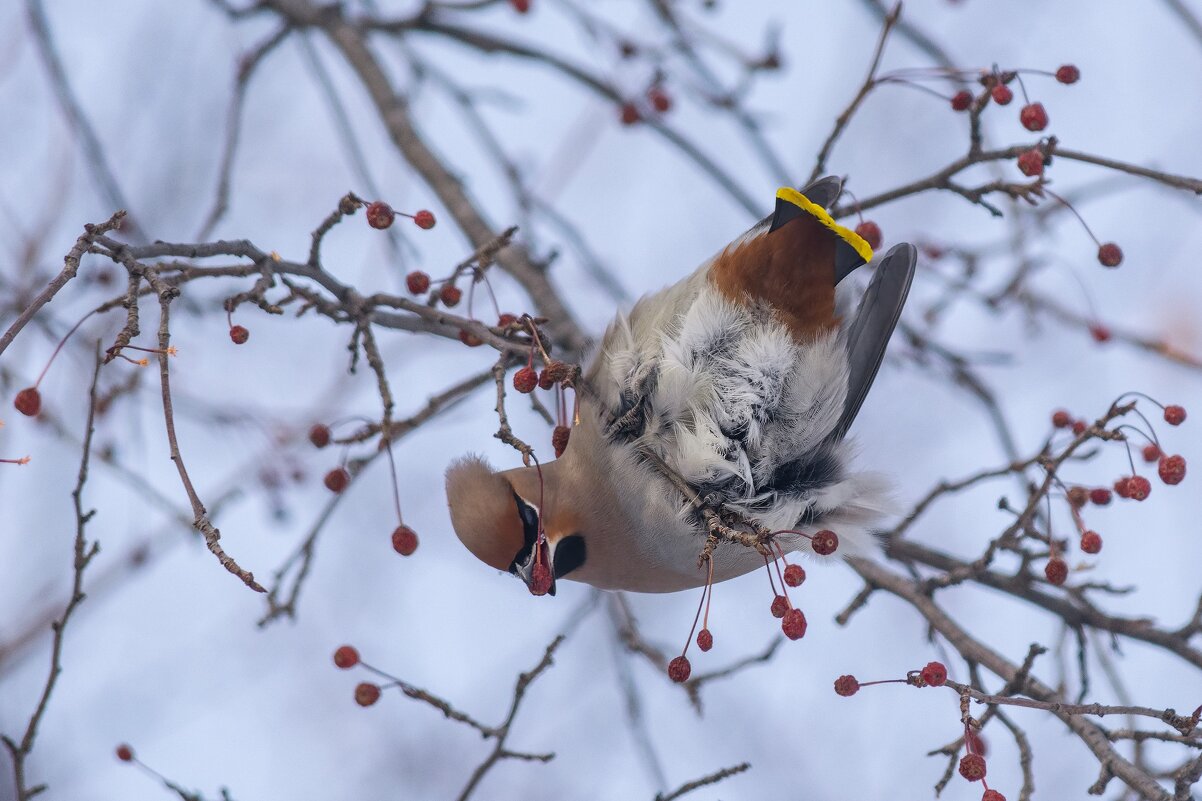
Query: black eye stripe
529	517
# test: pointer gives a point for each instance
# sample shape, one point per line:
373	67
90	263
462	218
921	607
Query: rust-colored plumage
791	269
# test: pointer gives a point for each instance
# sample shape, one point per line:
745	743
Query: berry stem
396	489
1076	213
61	342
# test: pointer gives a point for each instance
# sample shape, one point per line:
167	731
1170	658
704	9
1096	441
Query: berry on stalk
525	380
961	100
780	605
1110	255
1091	542
379	214
346	657
1172	469
1099	496
1174	415
705	640
125	753
1033	117
337	480
972	767
870	232
794	575
1030	163
450	295
417	282
366	694
934	674
424	219
239	334
679	669
846	686
319	435
1068	73
28	402
825	542
1002	94
1056	570
794	624
404	540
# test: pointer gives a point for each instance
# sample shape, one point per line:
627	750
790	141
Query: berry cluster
656	100
792	620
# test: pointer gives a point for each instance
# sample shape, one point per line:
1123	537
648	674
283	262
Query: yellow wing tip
791	195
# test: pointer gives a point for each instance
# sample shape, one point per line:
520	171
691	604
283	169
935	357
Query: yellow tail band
791	195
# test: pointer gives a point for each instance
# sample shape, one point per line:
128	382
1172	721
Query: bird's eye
529	516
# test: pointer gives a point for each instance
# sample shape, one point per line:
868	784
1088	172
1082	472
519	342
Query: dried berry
870	232
346	657
1056	570
319	435
469	339
1079	427
1061	419
125	753
366	694
993	795
972	767
558	371
847	686
1078	496
525	380
417	282
1068	73
934	674
559	439
705	640
506	319
780	605
825	542
540	579
544	380
1002	94
404	540
1030	163
239	334
380	214
1099	332
424	219
1091	542
1139	488
1151	452
337	480
961	100
1033	117
679	669
1100	496
1172	469
630	114
450	295
1122	487
1174	415
520	6
1110	255
28	402
794	575
660	100
794	624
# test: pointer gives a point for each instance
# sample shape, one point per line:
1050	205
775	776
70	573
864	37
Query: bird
742	379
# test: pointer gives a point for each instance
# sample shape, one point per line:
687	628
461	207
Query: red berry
1030	163
450	295
337	479
346	657
993	795
1002	95
780	605
1100	496
1079	427
679	669
1172	469
544	379
660	100
934	674
319	435
825	542
1061	419
1056	570
1139	487
125	753
417	282
1151	452
972	767
1099	332
424	219
470	339
961	100
239	335
846	686
404	540
520	6
540	579
1033	117
525	380
1122	487
559	439
870	232
1110	255
1068	73
1174	415
29	402
379	214
705	640
794	575
366	694
1091	542
506	319
630	114
794	624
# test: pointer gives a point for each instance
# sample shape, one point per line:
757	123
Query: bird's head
499	516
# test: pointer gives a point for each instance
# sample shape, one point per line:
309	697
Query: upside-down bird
742	379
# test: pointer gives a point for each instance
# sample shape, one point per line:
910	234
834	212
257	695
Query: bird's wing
874	322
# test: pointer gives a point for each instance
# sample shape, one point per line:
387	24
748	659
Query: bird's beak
544	553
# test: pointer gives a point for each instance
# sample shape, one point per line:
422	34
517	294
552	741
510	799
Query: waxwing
742	379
